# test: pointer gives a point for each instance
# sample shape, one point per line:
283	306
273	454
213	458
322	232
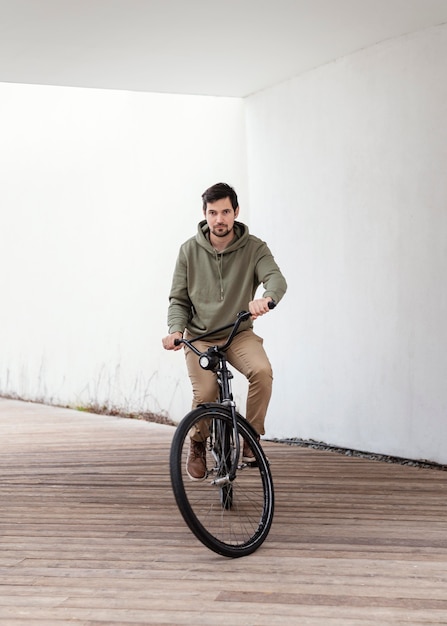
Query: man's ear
236	212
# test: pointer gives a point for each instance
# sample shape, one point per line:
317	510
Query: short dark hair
218	192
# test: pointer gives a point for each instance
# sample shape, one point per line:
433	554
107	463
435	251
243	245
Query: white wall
97	191
347	172
346	183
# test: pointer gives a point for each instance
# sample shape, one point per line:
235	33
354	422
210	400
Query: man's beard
223	232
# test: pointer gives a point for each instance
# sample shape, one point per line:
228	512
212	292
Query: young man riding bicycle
216	275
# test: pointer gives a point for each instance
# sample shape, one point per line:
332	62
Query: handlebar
242	316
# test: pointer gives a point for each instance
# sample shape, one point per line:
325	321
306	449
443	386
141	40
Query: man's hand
259	307
168	342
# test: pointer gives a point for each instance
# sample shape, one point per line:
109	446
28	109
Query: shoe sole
248	459
197	480
252	461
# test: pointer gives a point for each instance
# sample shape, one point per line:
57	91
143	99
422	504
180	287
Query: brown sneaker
247	453
196	461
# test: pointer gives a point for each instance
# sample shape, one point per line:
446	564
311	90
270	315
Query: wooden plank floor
90	534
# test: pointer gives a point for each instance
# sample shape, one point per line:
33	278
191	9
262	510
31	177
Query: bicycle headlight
208	361
205	361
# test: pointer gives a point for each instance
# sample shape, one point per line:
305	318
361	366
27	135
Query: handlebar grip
177	342
271	304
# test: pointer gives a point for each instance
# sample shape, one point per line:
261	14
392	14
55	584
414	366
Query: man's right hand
168	341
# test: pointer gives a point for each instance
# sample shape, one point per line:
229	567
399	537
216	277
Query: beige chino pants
248	356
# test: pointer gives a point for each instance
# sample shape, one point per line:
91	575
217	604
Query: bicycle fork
232	436
224	377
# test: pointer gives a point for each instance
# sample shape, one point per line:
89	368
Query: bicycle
231	510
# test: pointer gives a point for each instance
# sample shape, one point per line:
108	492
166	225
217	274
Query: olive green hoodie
209	288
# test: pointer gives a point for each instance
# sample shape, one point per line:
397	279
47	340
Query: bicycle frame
242	520
214	359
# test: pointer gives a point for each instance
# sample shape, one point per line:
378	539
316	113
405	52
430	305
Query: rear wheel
230	517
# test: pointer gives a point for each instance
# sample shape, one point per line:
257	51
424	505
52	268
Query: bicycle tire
232	519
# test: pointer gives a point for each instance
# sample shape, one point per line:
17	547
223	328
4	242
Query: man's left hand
259	307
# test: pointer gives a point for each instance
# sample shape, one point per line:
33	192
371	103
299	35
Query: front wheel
230	517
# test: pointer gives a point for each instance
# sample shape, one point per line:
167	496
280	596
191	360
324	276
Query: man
216	275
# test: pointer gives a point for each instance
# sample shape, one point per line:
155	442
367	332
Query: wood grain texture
90	534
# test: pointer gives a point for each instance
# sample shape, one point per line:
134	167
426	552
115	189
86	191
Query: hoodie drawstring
219	269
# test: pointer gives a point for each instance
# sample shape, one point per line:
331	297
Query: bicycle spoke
232	518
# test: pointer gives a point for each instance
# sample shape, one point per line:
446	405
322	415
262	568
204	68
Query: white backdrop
348	177
98	190
346	182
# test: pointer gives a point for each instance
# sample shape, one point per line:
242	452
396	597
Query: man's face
220	217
